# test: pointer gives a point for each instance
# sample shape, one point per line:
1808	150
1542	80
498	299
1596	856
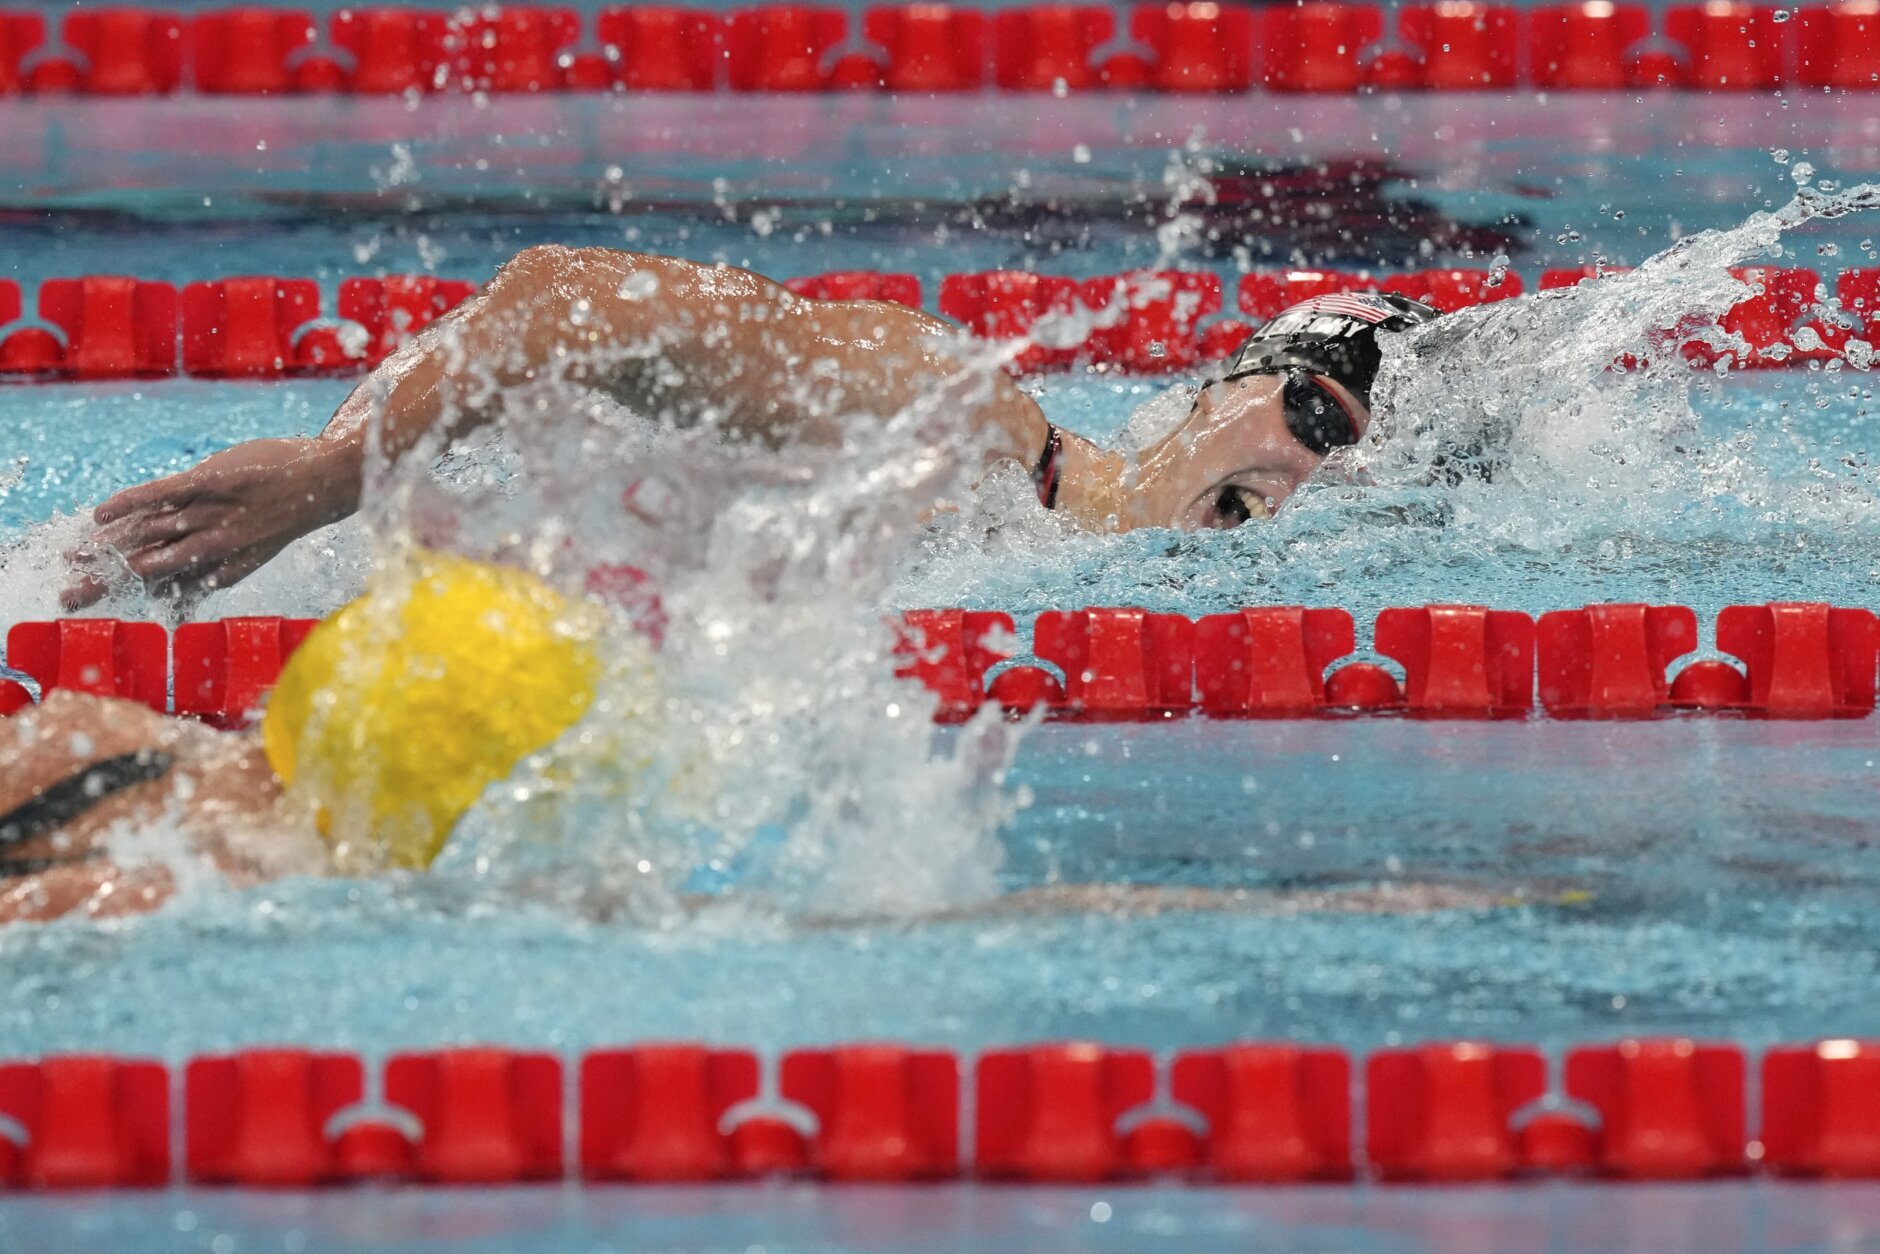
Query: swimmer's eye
1238	505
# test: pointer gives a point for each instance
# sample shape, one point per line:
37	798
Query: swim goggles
1317	416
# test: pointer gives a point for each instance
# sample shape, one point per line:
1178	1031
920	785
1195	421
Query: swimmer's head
1298	388
397	712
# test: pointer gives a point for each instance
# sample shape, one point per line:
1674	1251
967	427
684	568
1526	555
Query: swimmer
394	716
686	343
79	772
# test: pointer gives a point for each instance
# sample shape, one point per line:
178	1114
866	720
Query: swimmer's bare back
214	787
677	341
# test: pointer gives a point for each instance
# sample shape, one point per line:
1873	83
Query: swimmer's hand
218	523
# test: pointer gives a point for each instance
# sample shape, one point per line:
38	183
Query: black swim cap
1333	336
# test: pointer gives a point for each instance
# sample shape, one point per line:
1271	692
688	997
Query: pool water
1583	880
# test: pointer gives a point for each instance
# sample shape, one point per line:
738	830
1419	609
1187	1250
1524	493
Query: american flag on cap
1364	306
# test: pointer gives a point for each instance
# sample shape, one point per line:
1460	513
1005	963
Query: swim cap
397	712
1334	336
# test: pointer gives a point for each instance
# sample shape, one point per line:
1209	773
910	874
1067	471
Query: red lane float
99	656
1445	1112
783	47
659	48
21	34
1803	660
1731	46
101	327
883	1112
1611	661
1461	661
223	671
89	1121
1838	45
1195	46
1008	305
1586	46
1049	47
899	289
249	52
397	307
656	1112
1461	45
106	327
1821	1110
245	328
1119	663
1315	46
1267	1112
950	652
1149	319
1268	661
1450	290
393	51
928	47
488	1115
120	52
1668	1109
1319	46
1049	1113
260	1117
1276	1114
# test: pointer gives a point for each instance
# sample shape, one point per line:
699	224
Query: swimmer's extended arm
676	340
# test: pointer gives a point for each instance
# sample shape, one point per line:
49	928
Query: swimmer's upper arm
685	342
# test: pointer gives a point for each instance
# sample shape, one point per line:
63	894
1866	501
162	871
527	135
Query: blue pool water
1705	877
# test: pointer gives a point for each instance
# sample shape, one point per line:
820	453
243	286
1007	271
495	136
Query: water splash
791	766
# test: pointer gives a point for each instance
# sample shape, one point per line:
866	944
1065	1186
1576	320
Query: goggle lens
1316	416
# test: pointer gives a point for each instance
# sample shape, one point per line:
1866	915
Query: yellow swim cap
396	713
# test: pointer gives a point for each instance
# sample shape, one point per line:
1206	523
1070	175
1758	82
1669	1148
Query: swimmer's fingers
146	529
86	591
171	493
170	569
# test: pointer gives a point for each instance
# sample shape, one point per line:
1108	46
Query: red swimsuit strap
1045	474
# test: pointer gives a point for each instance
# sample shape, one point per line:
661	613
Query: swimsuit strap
1046	473
59	804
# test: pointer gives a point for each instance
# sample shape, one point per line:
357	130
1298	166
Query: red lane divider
882	1112
1444	1113
1787	660
89	1121
657	1112
222	671
261	1117
899	289
1142	322
1248	1112
1611	661
100	656
1821	1116
1275	1114
1668	1109
488	1115
1049	1113
1184	46
392	310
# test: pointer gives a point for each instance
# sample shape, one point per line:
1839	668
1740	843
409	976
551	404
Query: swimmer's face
1234	458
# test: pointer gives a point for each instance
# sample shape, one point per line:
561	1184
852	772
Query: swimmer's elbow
540	266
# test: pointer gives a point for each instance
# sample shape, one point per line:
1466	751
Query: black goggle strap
69	798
